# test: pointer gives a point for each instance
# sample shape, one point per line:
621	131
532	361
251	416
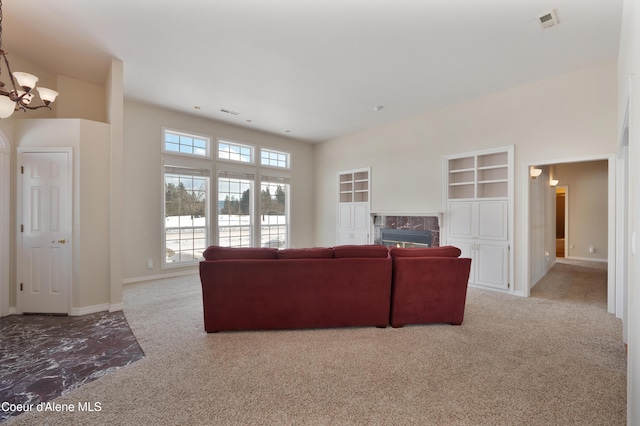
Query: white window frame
248	173
203	168
287	156
251	148
206	138
273	178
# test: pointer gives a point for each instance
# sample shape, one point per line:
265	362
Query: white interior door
45	232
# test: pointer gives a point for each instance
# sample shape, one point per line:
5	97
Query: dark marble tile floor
43	357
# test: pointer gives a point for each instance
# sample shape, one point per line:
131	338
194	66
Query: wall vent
548	19
228	111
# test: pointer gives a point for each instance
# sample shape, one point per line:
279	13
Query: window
246	205
235	152
272	158
185	214
234	209
274	212
183	143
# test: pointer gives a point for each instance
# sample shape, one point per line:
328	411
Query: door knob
62	241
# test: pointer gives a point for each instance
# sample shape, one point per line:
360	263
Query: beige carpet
544	360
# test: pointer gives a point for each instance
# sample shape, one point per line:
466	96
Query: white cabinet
478	219
354	217
353	223
479	229
479	213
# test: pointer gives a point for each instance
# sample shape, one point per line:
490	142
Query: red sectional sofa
267	288
429	285
343	286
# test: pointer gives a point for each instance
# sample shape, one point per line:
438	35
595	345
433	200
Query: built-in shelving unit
479	217
354	219
478	176
354	187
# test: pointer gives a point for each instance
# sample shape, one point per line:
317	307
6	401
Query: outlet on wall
150	263
592	249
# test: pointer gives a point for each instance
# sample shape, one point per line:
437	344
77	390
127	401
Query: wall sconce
535	172
553	182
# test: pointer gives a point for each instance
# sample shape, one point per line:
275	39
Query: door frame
19	216
611	219
566	218
5	227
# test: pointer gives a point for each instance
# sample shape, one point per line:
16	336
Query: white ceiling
314	67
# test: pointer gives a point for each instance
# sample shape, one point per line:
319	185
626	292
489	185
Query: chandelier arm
36	107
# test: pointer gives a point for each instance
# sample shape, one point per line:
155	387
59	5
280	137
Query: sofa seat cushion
349	251
225	253
306	253
444	251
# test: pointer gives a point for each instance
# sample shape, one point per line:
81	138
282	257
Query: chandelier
19	94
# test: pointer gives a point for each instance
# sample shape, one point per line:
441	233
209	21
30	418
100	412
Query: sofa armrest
429	290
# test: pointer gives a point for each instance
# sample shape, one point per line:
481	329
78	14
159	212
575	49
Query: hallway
575	281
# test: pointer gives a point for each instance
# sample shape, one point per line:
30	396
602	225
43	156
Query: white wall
588	192
629	92
79	99
571	115
542	251
143	184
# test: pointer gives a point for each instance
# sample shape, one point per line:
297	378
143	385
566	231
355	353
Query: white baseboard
86	310
158	277
115	307
589	259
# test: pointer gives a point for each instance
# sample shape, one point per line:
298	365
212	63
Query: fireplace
407	230
405	238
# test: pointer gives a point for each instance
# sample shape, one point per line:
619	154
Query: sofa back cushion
225	253
340	252
306	253
444	251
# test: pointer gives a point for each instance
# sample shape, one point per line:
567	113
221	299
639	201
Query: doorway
562	218
45	249
592	233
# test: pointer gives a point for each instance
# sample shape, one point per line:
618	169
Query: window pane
274	158
185	144
273	214
234	212
235	152
185	215
170	137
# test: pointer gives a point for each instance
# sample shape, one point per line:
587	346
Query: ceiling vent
228	111
548	19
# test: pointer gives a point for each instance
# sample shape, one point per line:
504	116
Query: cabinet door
492	220
353	223
345	216
461	219
491	264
